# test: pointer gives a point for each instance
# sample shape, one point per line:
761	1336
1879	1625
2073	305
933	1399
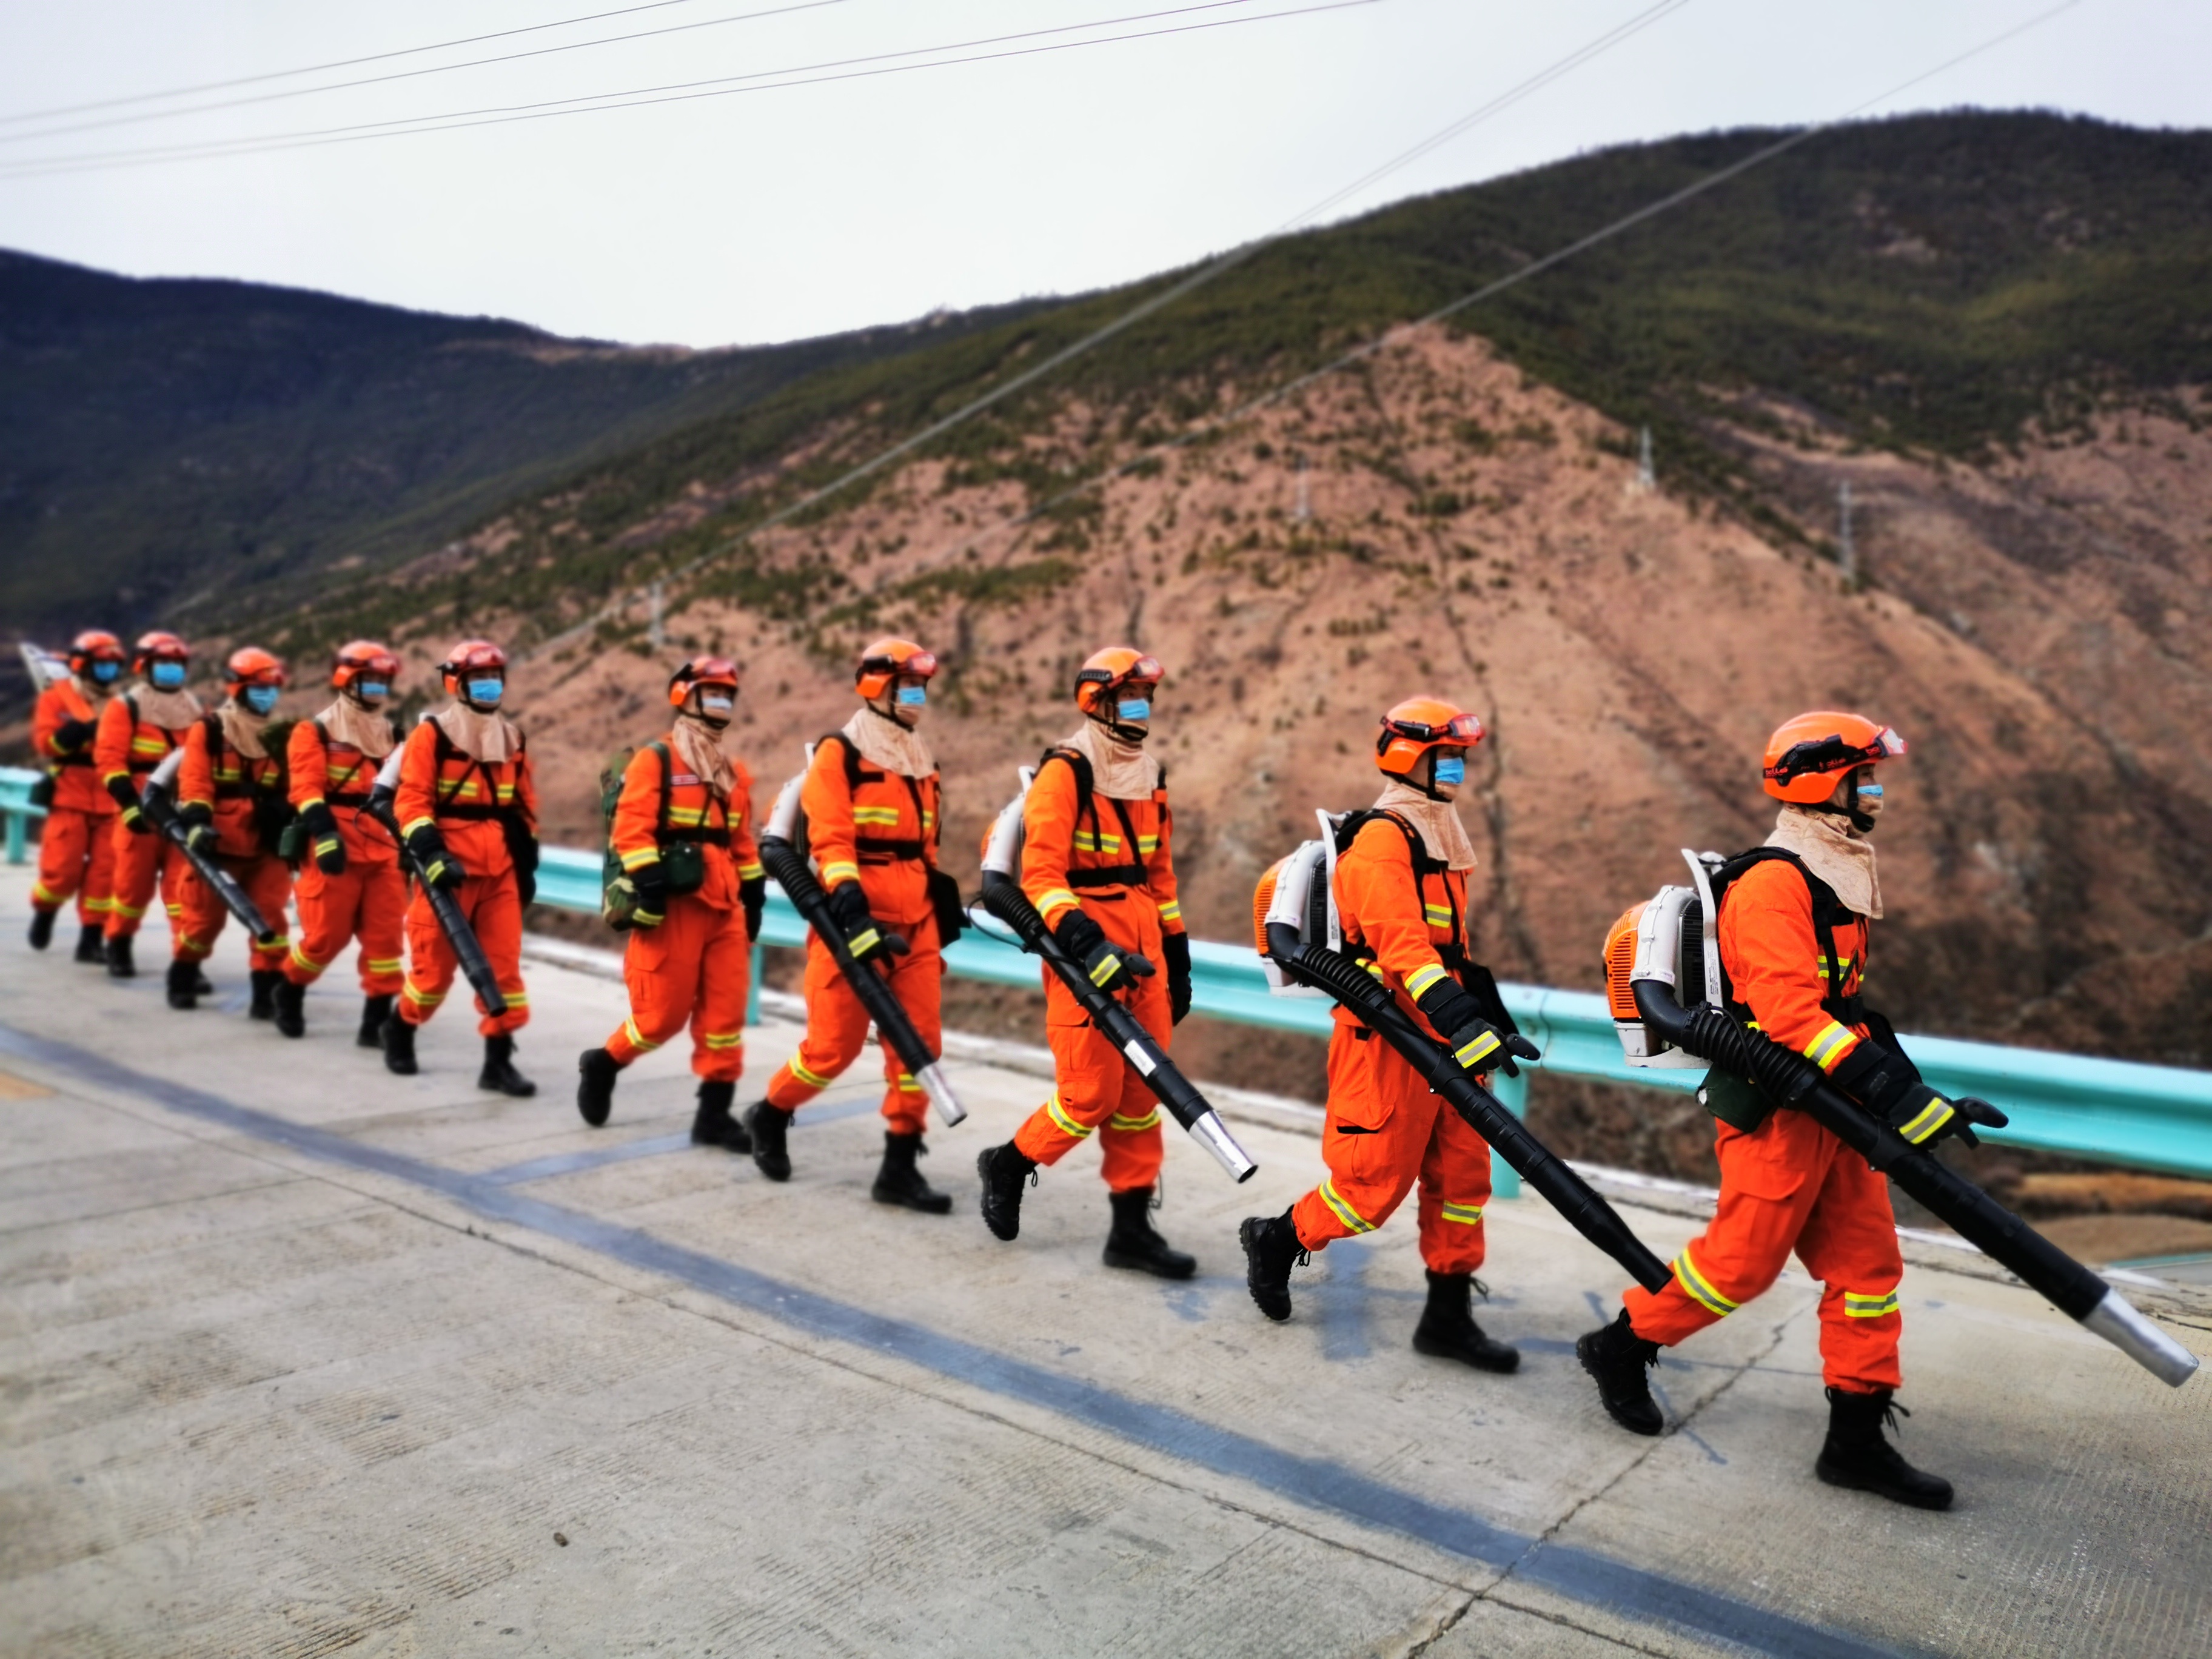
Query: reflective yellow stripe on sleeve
1057	898
840	872
1418	981
641	857
1825	1050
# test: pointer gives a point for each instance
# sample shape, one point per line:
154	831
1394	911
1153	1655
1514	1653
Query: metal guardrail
2155	1117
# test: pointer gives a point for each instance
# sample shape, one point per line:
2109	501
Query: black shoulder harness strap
1475	979
1829	912
1132	874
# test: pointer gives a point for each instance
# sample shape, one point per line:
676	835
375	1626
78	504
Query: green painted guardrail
2154	1117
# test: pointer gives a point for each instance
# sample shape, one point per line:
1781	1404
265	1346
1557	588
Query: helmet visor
1834	753
1459	728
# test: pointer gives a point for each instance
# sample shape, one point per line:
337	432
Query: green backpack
685	862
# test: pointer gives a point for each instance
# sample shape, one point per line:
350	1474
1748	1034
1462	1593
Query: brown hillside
2036	629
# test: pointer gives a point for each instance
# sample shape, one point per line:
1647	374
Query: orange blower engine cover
1264	896
1620	962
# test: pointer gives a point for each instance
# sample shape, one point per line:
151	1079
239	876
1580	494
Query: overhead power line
1144	308
434	69
805	74
336	63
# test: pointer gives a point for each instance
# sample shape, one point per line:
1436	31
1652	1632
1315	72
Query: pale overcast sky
793	210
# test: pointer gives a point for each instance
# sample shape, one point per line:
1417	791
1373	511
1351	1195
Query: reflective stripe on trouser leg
836	1031
494	910
1375	1141
1849	1244
718	1008
917	980
136	873
1454	1187
660	971
65	844
1095	1084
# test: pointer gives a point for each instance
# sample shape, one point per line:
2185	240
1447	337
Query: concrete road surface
301	1358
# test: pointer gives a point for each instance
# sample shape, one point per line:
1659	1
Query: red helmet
470	654
1806	757
885	661
252	666
700	671
94	645
1105	672
1419	724
159	647
362	660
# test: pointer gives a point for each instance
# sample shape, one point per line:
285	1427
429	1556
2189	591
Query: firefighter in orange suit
137	729
349	885
1794	917
682	829
468	812
230	801
873	810
1097	865
1400	891
76	844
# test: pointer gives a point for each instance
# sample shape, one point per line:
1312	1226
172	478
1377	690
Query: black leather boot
499	1070
375	1011
182	972
899	1183
399	1045
91	947
765	1126
117	951
202	985
1858	1454
1005	1171
1132	1242
291	1007
42	928
1271	1250
596	1071
712	1126
264	981
1618	1359
1448	1330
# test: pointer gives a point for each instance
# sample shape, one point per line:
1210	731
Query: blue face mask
486	692
1869	792
911	696
722	706
260	698
103	673
372	690
1451	769
166	676
1134	709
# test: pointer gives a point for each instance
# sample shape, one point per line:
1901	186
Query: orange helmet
362	659
470	654
94	645
252	666
1417	725
1107	671
159	647
1806	756
700	671
887	659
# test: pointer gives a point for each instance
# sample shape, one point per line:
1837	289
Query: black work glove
1108	970
199	821
324	843
125	795
849	908
1476	1045
752	896
437	866
525	872
1176	948
1890	1086
72	735
650	882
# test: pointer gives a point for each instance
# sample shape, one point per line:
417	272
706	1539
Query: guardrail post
1512	1094
752	992
15	854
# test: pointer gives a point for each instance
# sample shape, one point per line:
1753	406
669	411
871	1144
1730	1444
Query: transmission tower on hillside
1647	479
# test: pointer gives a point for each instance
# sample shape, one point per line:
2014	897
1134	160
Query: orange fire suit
1790	1184
469	801
367	899
696	964
215	776
1384	1129
129	748
880	829
76	844
1113	859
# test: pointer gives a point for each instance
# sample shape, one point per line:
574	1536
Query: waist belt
703	836
82	757
239	792
347	800
472	812
1113	875
139	766
887	852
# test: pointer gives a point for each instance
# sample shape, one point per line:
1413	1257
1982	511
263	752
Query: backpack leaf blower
160	800
476	967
